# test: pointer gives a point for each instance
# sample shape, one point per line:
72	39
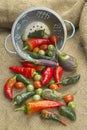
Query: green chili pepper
38	56
22	79
46	114
20	98
38	34
70	80
67	112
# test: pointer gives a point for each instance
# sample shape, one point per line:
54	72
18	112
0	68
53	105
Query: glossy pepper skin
36	106
67	112
47	75
27	72
37	34
31	43
20	98
58	71
46	114
8	87
21	78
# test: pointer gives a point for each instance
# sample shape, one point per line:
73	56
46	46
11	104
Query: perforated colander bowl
37	18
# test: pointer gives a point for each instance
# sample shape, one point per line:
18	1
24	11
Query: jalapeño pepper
20	98
67	112
23	79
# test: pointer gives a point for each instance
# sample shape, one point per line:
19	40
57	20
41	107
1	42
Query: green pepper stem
15	77
15	103
25	48
23	108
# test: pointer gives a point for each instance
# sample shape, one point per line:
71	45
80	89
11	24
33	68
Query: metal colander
37	18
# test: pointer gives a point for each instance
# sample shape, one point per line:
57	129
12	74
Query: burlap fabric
73	10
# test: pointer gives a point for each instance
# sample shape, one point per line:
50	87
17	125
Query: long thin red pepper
27	72
31	65
47	75
8	87
31	43
58	71
36	106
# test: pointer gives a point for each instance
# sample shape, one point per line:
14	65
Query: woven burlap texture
83	27
73	10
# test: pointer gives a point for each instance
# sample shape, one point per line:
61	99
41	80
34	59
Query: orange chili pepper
36	106
8	87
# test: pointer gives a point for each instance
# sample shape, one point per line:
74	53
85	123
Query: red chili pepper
47	75
54	39
58	71
8	87
31	43
36	106
27	72
31	65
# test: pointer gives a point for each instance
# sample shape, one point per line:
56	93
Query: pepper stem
25	48
23	108
15	103
15	77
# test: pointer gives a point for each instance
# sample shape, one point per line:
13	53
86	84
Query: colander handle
73	29
5	45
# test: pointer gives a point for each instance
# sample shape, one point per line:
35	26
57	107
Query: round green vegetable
51	47
41	52
49	53
39	91
36	97
72	104
30	87
24	37
37	77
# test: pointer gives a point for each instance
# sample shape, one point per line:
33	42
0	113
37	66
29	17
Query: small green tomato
37	77
72	104
49	53
24	37
30	87
36	97
51	47
41	52
39	91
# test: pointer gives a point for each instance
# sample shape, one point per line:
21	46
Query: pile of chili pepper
42	84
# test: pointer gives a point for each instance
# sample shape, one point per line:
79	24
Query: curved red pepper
31	43
27	72
58	71
8	87
31	65
47	75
